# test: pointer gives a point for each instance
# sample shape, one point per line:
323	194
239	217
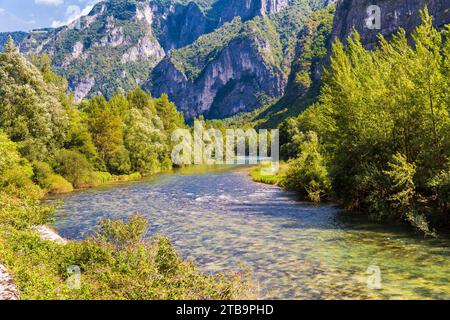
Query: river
223	221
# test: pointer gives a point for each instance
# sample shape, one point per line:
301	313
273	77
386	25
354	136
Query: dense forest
378	139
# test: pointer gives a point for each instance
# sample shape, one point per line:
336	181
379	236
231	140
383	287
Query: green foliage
116	263
45	178
106	127
167	259
402	189
167	111
262	173
79	138
146	140
31	112
307	174
383	122
131	133
74	167
122	234
15	171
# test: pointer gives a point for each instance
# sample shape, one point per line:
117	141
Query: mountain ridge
120	44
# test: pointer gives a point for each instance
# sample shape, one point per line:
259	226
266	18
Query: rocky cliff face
112	48
186	23
395	14
239	67
118	44
166	46
231	83
227	10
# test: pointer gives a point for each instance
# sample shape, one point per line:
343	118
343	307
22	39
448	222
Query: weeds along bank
378	139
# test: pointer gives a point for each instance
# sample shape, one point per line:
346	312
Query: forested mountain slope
239	67
119	43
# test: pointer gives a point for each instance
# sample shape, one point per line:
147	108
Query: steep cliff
394	14
112	48
239	67
227	10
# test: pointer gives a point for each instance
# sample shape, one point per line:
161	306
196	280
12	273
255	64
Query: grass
261	173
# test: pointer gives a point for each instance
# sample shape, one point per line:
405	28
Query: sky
25	15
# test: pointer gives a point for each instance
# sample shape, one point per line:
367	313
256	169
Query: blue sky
16	15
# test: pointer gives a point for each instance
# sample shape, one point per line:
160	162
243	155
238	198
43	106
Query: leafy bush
115	263
119	161
74	167
120	233
307	175
45	178
15	171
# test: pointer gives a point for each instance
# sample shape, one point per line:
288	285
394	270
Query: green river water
223	221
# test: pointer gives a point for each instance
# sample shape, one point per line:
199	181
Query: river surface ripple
223	221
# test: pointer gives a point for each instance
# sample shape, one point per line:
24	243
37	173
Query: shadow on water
220	219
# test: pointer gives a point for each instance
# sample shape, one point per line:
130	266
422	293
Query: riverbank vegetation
263	173
50	144
378	140
73	145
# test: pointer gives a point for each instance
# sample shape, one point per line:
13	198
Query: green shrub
59	185
440	185
307	175
120	233
167	259
15	171
74	167
119	162
22	213
48	180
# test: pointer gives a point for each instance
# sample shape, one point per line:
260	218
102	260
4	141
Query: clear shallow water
224	221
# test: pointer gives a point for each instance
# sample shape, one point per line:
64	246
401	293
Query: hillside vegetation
378	139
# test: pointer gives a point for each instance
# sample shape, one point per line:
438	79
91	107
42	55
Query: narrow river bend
223	221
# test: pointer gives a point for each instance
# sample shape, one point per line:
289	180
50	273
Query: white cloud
73	13
49	2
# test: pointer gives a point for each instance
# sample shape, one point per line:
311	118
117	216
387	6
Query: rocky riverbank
8	289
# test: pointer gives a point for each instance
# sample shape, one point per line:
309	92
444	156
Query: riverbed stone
8	289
